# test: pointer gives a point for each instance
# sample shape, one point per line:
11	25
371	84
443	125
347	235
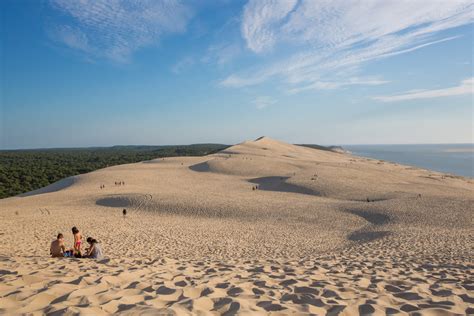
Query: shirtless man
58	249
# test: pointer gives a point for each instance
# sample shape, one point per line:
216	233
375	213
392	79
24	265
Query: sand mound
325	233
247	166
54	187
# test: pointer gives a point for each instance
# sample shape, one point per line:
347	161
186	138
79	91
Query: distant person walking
124	212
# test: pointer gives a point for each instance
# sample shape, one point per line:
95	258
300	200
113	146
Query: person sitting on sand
77	242
95	250
57	248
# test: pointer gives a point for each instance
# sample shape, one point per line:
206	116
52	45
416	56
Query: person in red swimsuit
77	242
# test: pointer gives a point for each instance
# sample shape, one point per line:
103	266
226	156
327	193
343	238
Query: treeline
26	170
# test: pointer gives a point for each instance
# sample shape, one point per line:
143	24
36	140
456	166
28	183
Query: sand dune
57	186
324	233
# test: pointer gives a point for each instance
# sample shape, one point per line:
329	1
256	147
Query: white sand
198	239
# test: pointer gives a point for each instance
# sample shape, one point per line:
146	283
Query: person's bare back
57	248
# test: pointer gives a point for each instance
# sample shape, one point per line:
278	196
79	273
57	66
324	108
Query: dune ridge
261	227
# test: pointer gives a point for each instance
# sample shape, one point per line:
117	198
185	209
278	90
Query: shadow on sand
54	187
374	218
367	235
279	184
200	167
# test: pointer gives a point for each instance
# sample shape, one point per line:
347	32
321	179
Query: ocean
457	159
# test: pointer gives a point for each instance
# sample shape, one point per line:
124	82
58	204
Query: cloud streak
464	88
263	102
115	29
261	18
319	42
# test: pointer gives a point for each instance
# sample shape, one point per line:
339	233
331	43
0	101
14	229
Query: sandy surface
198	239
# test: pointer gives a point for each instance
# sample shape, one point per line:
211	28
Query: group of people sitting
58	249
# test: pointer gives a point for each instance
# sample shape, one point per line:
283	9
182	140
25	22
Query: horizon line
211	143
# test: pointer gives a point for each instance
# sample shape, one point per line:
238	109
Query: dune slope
260	227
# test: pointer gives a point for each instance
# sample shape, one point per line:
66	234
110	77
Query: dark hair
60	236
91	240
75	230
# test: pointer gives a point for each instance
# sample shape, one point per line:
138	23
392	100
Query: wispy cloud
261	19
182	64
465	87
236	81
330	85
263	102
73	38
329	41
115	29
222	53
217	54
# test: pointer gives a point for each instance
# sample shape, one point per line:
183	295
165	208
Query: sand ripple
342	283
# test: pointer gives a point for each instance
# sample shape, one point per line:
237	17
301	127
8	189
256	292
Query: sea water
457	159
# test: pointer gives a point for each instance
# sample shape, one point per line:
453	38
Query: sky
100	73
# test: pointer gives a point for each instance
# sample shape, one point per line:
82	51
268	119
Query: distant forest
26	170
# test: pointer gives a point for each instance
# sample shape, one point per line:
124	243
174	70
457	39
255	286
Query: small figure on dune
124	212
419	195
368	200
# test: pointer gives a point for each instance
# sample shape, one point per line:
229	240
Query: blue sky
98	73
